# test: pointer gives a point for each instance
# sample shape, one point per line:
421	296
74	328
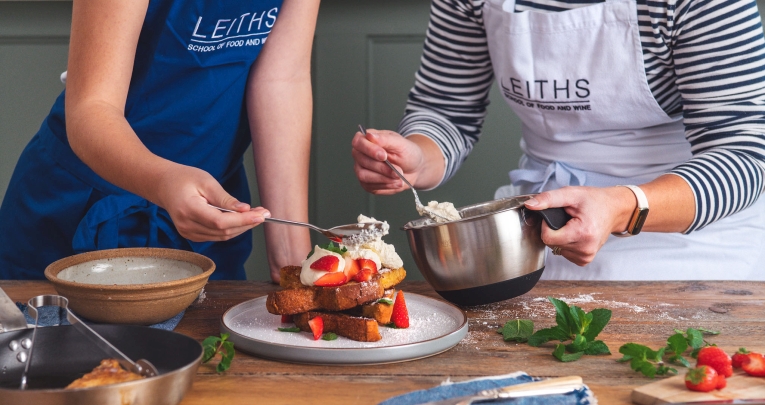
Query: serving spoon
359	233
418	204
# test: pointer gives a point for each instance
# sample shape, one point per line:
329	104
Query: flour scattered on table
589	299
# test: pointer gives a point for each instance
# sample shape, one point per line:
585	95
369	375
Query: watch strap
637	220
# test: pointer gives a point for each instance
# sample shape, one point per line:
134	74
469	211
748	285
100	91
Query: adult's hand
417	158
596	213
185	192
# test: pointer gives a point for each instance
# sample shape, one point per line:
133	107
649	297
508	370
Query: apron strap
535	176
99	229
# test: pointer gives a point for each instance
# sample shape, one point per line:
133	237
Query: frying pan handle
556	218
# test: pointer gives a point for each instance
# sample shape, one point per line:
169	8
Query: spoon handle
295	223
399	174
277	220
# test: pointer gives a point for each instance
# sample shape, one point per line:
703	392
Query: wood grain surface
643	312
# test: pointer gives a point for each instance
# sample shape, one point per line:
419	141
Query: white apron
577	81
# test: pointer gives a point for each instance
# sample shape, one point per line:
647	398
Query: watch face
640	216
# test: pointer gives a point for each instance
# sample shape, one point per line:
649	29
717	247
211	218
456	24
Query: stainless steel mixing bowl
495	252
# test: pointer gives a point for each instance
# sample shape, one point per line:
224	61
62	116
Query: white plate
434	327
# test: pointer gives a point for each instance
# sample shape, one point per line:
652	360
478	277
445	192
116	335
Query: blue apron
185	103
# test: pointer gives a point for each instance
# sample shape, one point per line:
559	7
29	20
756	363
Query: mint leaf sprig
651	362
213	345
572	324
331	247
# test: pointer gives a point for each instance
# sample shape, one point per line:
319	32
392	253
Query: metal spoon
141	367
352	233
420	208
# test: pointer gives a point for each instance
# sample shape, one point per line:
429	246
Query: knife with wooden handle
552	386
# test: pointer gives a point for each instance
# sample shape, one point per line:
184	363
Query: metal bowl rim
523	197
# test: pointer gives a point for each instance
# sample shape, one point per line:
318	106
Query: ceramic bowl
141	286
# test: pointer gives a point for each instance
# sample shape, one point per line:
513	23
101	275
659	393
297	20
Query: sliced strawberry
702	379
328	263
754	364
400	315
716	358
368	264
351	268
331	279
363	275
317	327
739	357
286	318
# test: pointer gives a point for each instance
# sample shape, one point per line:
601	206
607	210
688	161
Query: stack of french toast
355	310
345	290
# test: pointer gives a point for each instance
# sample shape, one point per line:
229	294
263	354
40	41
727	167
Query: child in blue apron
664	97
162	99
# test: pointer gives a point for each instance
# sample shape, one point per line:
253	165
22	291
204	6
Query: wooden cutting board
670	390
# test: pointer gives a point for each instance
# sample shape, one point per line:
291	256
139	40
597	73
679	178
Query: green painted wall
365	56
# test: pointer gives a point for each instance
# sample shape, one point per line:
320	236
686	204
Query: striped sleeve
719	60
704	58
451	91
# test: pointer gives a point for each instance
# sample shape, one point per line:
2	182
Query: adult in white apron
582	133
558	72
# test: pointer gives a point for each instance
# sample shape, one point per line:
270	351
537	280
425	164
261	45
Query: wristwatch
639	215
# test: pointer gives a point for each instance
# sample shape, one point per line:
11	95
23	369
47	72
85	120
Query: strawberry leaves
214	345
572	323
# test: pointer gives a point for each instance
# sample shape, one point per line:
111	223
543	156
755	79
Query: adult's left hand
596	213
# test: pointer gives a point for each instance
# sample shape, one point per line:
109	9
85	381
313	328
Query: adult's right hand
369	153
185	191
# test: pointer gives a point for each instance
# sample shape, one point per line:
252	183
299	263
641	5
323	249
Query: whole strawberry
704	379
739	357
716	358
754	364
400	315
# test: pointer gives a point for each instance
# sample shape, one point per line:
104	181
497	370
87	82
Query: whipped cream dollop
388	258
367	234
368	246
308	276
439	211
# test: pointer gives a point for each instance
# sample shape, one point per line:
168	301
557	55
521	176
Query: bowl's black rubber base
486	294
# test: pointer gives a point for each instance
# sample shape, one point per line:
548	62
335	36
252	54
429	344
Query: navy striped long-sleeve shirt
703	58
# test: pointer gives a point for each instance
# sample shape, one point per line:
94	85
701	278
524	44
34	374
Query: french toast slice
293	301
379	311
352	327
290	277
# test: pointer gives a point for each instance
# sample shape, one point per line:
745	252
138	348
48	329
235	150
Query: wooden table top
643	312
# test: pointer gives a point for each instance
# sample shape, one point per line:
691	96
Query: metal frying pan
62	354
